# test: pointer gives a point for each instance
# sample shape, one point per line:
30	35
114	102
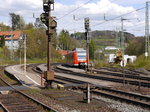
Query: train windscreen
81	54
82	57
83	51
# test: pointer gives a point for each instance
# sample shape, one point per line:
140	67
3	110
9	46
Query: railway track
109	76
132	75
127	71
18	101
128	97
2	83
124	96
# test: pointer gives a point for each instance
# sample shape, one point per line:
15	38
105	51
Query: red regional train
77	57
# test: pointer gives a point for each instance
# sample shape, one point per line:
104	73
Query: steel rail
46	107
131	75
100	77
108	92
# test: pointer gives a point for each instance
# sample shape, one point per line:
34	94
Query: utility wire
74	9
136	25
78	8
118	17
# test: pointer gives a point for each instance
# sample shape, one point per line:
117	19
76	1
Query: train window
81	51
81	57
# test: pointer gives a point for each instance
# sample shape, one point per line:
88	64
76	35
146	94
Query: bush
141	62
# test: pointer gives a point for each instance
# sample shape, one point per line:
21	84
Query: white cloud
21	4
94	9
105	6
131	2
25	8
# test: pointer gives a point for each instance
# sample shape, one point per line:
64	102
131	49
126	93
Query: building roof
15	34
63	52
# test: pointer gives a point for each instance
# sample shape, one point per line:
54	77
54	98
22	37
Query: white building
111	48
12	38
127	59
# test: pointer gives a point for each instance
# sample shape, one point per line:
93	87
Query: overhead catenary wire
118	17
101	22
78	8
75	9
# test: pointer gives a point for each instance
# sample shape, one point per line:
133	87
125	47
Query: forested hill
104	38
107	34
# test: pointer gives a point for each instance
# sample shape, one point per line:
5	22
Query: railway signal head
51	1
52	26
47	5
87	23
43	18
52	23
45	1
48	1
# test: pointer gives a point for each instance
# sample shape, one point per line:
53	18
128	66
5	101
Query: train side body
77	57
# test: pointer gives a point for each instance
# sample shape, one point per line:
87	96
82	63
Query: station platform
25	78
34	80
97	82
43	68
71	69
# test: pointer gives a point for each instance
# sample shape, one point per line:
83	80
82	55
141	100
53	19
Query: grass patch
8	78
8	62
141	62
53	60
36	60
100	64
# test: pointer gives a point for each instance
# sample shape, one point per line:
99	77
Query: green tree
78	36
2	41
17	21
63	36
6	53
66	42
136	47
92	49
39	24
36	43
4	27
54	40
29	26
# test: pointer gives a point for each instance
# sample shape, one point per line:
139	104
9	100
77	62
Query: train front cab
75	59
81	57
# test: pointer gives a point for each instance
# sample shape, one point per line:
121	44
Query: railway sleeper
137	102
137	83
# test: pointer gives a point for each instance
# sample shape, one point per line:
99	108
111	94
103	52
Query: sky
103	14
